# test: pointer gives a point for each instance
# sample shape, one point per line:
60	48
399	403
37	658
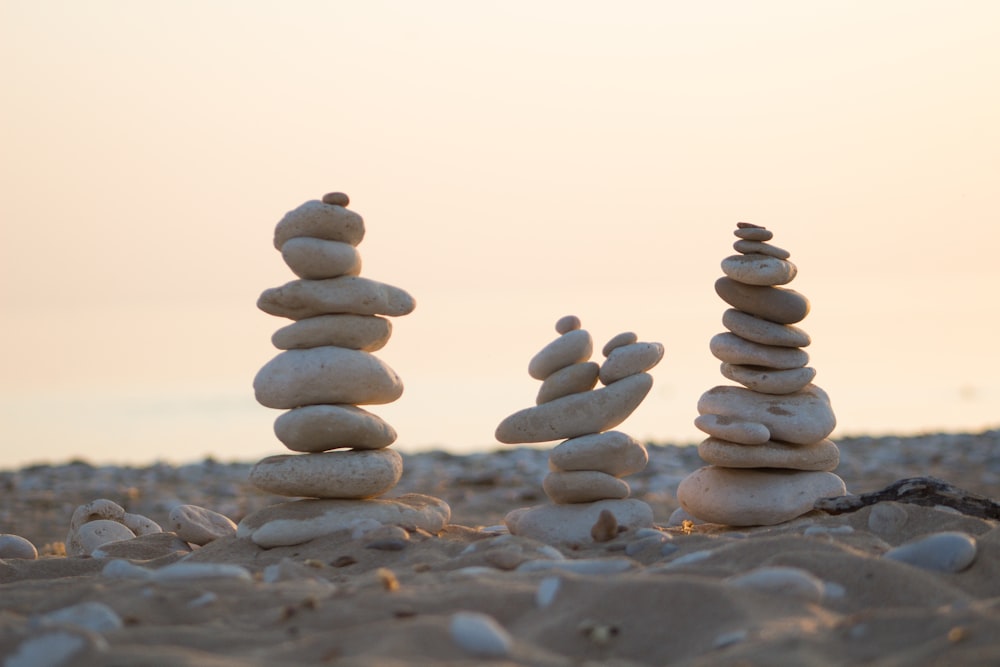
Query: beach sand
819	590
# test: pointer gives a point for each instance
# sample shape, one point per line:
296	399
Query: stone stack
325	371
768	448
587	468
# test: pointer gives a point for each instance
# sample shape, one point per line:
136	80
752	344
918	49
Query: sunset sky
514	162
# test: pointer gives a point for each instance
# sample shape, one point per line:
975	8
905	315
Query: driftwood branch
926	491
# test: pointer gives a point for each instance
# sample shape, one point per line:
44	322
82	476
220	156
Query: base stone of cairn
325	371
770	459
590	498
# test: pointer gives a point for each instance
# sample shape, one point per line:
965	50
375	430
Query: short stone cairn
768	448
585	484
325	371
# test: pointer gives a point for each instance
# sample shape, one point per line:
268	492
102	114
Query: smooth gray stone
751	232
320	428
801	418
823	455
754	497
949	551
731	349
777	304
750	247
733	430
571	379
91	615
15	546
577	414
325	375
355	332
757	269
761	331
570	348
316	259
769	380
624	338
349	474
300	521
780	580
300	299
583	486
322	221
555	524
198	525
567	323
479	635
613	452
626	360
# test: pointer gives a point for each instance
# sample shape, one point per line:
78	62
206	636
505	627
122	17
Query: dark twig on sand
927	491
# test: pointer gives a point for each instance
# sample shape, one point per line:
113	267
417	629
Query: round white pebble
479	634
950	551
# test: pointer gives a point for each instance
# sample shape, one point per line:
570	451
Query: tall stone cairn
590	498
769	455
325	371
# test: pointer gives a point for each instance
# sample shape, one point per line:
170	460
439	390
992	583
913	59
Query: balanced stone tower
768	451
590	499
325	371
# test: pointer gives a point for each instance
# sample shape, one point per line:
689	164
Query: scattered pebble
546	593
54	648
886	519
93	616
480	634
949	551
198	525
791	581
15	546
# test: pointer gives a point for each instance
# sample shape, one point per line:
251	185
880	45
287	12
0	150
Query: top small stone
567	324
751	232
336	199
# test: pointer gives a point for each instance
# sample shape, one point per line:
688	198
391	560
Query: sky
514	162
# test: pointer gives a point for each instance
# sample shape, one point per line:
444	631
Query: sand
654	599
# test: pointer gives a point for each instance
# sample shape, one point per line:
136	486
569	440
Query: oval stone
572	347
93	534
300	299
769	380
583	486
822	455
319	428
801	418
753	497
755	269
355	332
554	524
315	259
630	359
624	338
751	232
733	430
322	221
325	375
759	248
761	331
567	323
949	551
572	379
198	525
299	521
350	474
613	452
15	546
731	349
777	304
577	414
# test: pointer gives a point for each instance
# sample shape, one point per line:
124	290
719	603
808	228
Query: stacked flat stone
588	467
326	369
769	455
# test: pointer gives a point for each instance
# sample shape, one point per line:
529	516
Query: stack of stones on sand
325	371
591	500
768	448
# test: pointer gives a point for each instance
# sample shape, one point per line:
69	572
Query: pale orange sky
514	163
